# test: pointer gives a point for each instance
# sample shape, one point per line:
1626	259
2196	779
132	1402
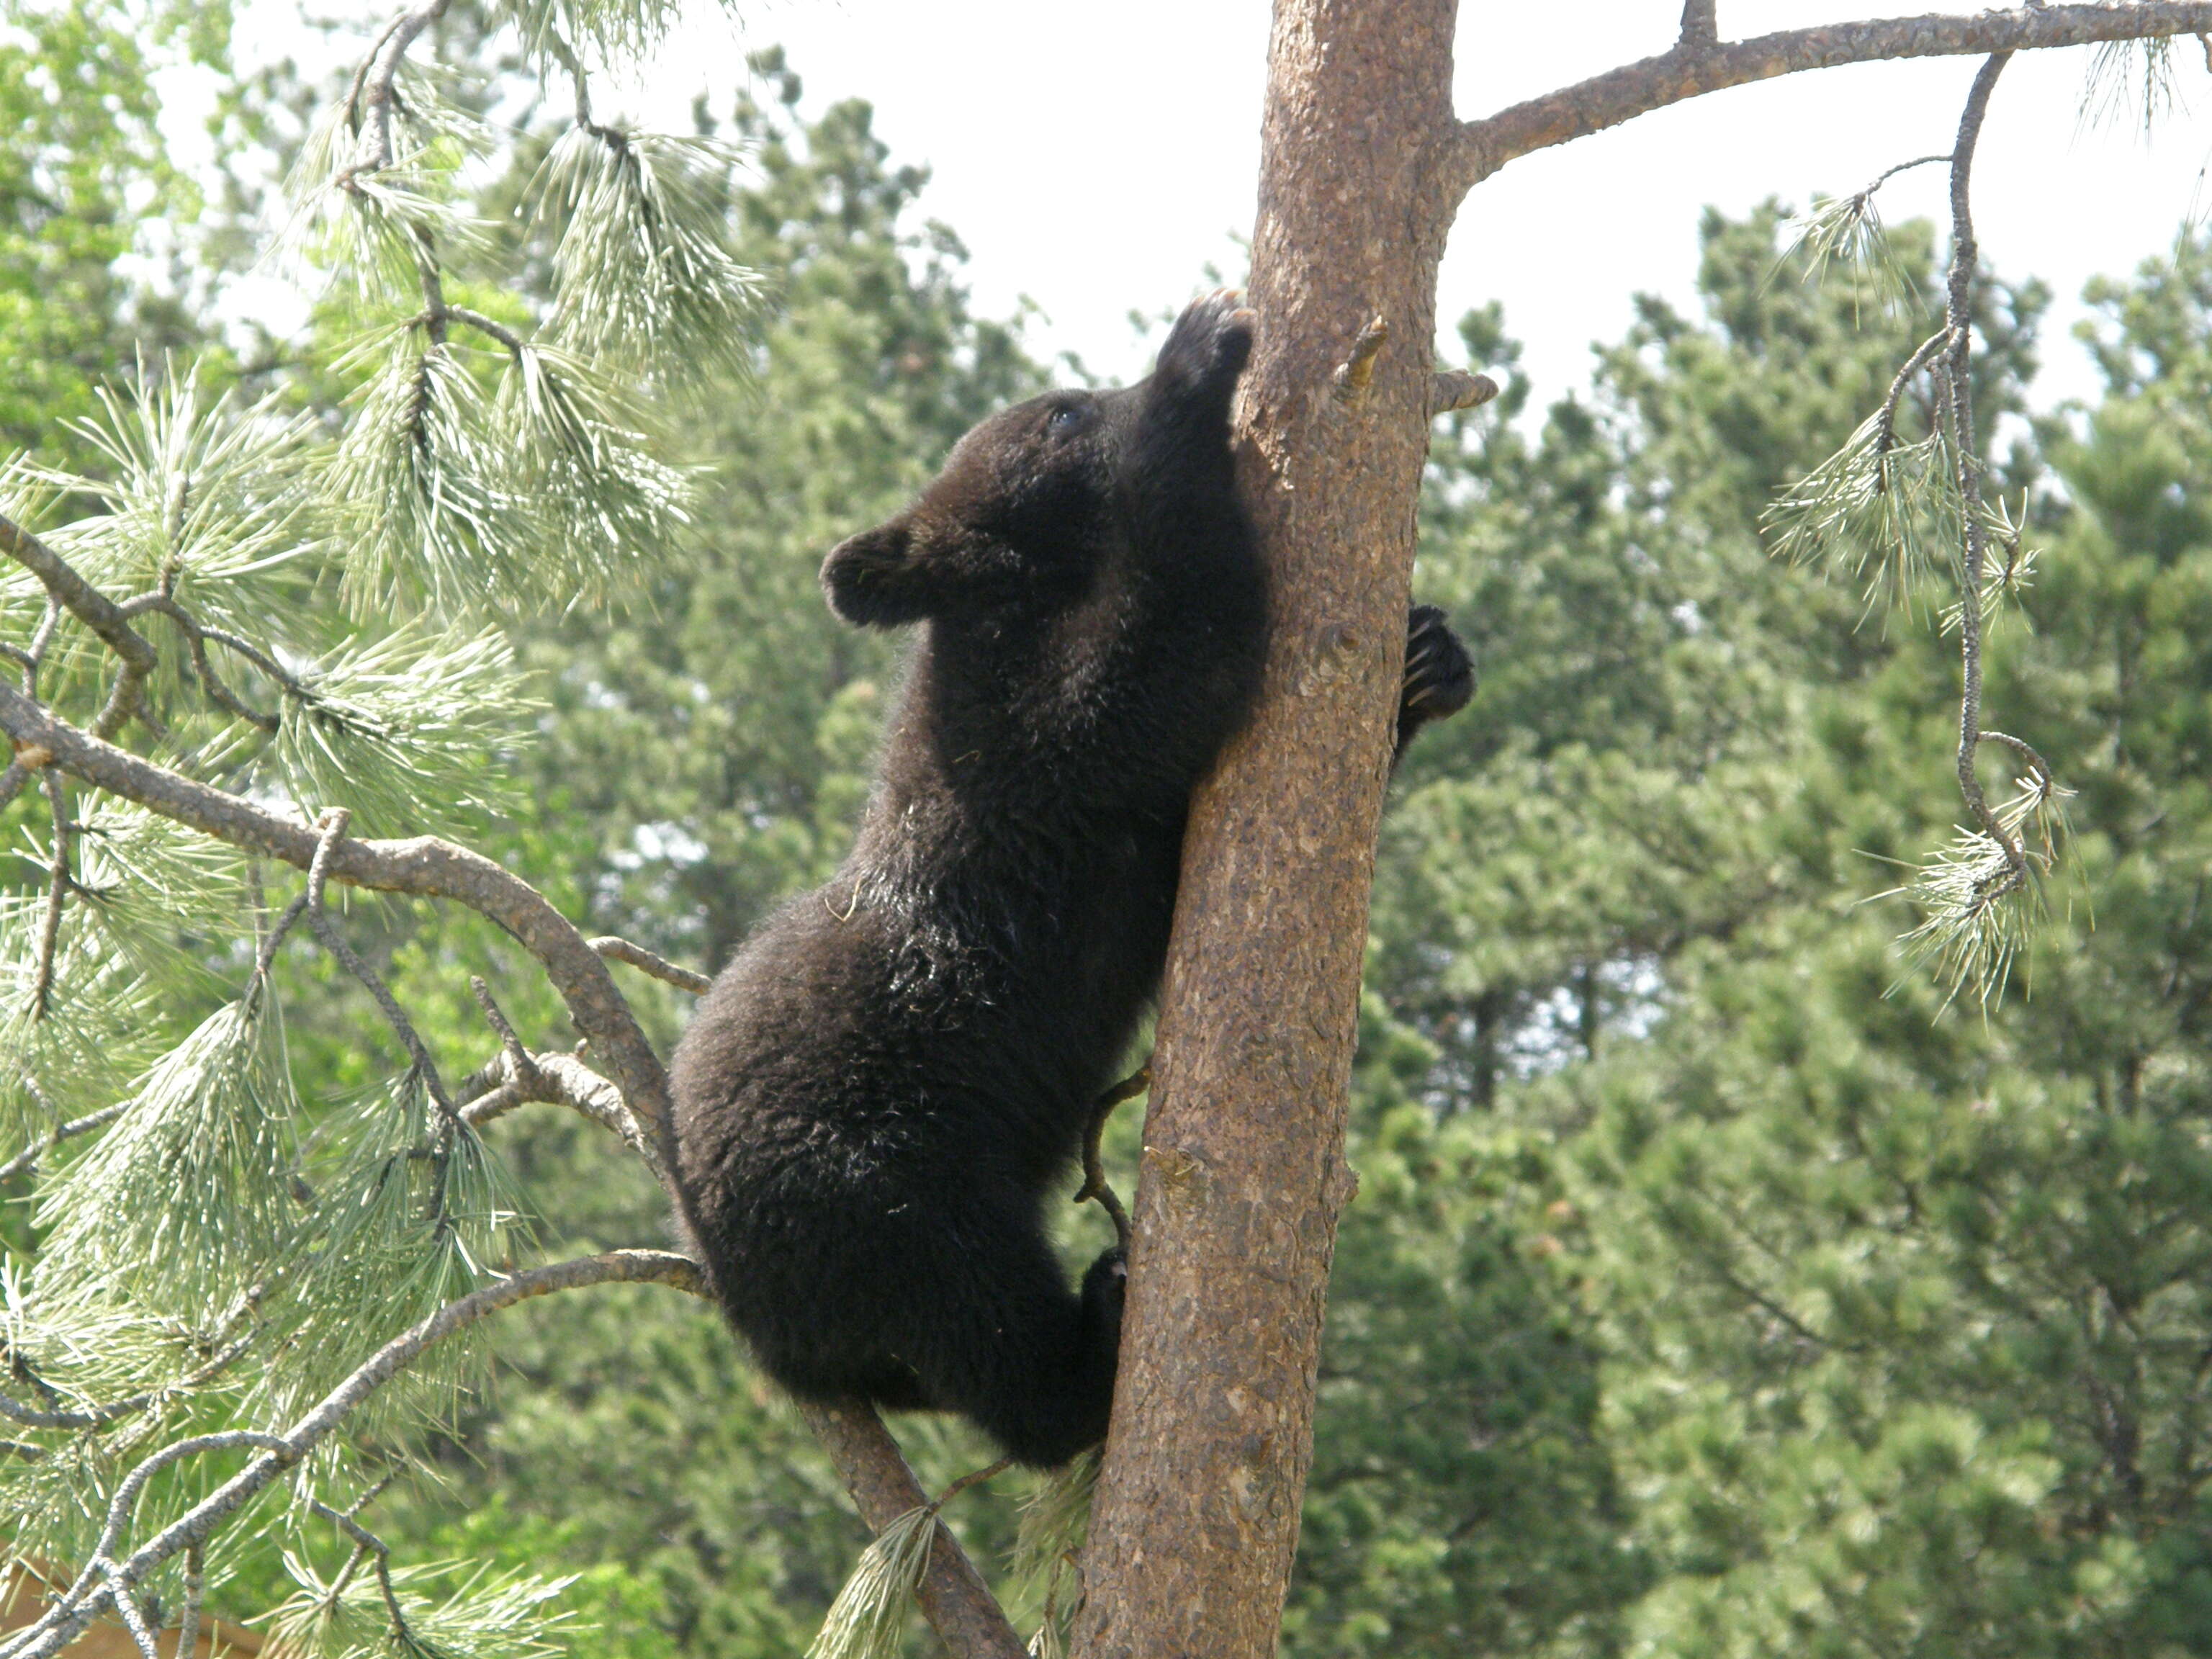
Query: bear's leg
1439	676
998	1337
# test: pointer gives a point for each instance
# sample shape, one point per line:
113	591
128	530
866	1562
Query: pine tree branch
188	1627
367	1543
954	1596
519	1078
1475	150
106	1580
1957	396
422	867
198	637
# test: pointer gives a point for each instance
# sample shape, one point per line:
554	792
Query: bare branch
518	1077
1450	389
188	1627
1094	1166
620	950
134	1618
508	1041
1701	27
1478	149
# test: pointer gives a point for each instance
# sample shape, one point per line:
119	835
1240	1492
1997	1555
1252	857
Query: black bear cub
875	1097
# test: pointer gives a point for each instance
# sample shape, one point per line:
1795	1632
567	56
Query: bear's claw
1439	675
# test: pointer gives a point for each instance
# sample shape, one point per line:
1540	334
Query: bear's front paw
1211	340
1439	674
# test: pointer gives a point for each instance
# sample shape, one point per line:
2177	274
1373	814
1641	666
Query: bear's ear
873	580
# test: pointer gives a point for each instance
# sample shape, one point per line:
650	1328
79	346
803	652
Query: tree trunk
1243	1172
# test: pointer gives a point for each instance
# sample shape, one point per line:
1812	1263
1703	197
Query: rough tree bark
1243	1168
1362	168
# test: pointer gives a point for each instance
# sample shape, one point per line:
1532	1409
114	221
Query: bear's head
1032	503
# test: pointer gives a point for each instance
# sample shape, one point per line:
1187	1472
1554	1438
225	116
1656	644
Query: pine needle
1847	231
2130	83
869	1617
1875	511
207	1129
449	1609
643	268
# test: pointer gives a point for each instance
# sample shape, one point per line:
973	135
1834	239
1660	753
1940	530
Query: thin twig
1094	1163
366	1540
483	324
620	950
333	829
1701	27
48	624
198	637
134	1617
100	1416
574	64
517	1055
188	1627
1886	432
973	1478
1959	399
560	1080
27	1160
57	886
2025	751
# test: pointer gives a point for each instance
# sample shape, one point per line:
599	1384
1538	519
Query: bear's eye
1066	418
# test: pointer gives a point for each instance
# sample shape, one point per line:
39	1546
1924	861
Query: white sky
1096	156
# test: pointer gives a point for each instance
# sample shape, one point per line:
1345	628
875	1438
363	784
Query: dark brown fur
880	1090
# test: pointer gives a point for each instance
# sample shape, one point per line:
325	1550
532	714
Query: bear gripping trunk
1244	1174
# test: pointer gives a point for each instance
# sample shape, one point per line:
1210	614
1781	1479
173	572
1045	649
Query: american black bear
877	1094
